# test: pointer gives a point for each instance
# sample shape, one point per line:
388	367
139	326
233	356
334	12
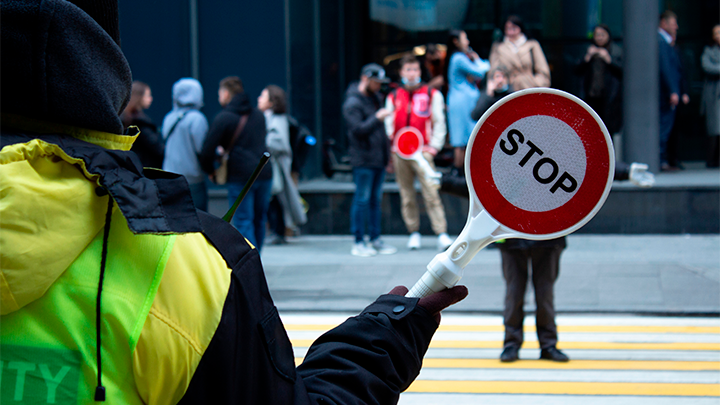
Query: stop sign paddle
539	165
408	144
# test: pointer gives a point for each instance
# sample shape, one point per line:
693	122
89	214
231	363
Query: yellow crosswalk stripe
496	344
575	364
561	328
572	365
565	388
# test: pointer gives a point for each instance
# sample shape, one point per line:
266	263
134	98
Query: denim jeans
667	120
251	214
366	203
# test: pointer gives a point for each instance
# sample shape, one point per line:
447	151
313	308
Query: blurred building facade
314	48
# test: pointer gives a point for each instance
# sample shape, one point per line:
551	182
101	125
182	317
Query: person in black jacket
369	155
208	331
601	70
245	152
149	145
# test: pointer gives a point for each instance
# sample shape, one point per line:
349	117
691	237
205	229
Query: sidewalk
644	274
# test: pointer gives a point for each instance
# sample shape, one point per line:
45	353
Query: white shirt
667	37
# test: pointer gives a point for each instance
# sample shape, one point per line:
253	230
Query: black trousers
543	263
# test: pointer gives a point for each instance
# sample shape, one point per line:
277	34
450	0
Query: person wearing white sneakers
419	106
369	153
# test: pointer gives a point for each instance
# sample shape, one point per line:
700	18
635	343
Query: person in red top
416	105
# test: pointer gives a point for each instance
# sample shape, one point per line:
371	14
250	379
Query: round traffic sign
539	165
540	162
407	142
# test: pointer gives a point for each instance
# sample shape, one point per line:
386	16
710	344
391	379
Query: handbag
220	174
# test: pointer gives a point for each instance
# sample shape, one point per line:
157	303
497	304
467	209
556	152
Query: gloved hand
434	303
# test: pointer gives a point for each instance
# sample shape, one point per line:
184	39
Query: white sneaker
640	176
443	241
381	247
360	249
414	241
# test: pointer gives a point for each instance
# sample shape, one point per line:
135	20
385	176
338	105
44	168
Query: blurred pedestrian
497	87
523	57
184	130
601	70
286	209
240	130
417	105
672	84
433	66
463	68
369	156
711	97
520	258
149	145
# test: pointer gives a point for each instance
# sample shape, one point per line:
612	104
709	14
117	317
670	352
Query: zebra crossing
614	359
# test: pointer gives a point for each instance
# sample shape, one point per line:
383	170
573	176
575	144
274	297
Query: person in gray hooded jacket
184	129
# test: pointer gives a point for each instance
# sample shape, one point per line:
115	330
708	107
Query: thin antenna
263	161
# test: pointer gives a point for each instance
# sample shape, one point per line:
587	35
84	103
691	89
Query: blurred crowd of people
187	144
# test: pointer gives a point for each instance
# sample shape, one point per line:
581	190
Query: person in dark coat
672	85
601	70
149	145
185	315
245	152
369	155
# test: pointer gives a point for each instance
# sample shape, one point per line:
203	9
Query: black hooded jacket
249	146
369	144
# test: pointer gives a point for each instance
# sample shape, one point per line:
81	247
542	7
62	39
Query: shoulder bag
220	175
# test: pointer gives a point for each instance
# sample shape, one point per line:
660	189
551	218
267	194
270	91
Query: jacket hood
187	93
240	104
64	67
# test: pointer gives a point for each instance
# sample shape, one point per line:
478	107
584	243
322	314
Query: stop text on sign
538	163
511	146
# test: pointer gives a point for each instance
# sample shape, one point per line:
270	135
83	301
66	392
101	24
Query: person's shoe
362	250
552	353
383	248
640	176
443	241
510	354
414	241
275	240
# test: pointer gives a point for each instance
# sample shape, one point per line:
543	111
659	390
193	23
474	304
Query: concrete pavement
644	274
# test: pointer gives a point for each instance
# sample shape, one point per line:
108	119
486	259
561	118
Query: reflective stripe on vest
48	351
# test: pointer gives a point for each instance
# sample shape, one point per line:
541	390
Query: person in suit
672	90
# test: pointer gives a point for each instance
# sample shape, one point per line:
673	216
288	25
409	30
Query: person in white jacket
419	106
286	207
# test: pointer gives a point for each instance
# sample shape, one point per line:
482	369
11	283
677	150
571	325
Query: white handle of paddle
430	174
445	270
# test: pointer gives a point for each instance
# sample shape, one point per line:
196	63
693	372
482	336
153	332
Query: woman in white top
286	209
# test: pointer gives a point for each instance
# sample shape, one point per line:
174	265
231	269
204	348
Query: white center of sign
538	163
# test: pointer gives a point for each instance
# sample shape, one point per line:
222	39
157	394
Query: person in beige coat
523	57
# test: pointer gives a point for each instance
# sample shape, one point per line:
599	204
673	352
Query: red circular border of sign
596	172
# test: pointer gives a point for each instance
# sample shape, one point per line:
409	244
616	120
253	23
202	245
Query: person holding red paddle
418	106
